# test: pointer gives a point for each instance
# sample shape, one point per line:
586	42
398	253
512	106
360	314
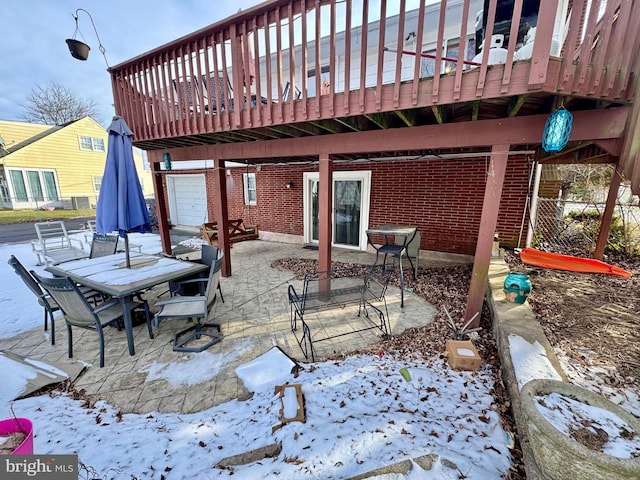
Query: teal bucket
517	287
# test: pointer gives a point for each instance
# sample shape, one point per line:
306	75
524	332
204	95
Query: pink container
23	425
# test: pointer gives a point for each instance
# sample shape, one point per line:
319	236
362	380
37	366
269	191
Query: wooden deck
197	91
331	80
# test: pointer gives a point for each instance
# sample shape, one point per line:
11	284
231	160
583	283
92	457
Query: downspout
533	212
527	202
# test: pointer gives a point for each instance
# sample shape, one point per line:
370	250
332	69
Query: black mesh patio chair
183	288
196	308
103	245
44	299
78	312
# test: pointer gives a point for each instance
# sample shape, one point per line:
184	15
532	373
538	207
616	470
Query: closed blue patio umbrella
121	204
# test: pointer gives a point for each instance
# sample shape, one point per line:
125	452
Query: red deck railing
292	61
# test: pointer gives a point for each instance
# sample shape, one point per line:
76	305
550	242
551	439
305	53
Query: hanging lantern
167	160
556	130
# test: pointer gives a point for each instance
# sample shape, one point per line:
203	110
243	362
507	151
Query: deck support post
488	221
161	203
325	203
607	215
222	214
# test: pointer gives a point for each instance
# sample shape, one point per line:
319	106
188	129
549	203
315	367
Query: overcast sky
34	52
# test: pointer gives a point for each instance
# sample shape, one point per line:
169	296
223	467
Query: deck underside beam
588	125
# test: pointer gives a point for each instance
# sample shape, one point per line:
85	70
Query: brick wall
443	197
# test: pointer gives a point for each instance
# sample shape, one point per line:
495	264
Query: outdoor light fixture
289	185
556	130
79	49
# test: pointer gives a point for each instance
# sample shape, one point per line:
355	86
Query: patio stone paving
253	318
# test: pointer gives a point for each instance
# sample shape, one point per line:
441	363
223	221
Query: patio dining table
109	275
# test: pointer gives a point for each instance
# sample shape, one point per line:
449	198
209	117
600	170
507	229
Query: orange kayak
531	256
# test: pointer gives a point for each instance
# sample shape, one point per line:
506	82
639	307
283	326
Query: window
19	186
92	143
311	79
452	50
4	189
86	143
97	182
34	185
250	193
50	185
427	64
98	144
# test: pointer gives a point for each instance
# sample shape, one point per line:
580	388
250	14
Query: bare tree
586	183
57	105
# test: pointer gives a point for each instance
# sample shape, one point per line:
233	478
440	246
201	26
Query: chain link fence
571	228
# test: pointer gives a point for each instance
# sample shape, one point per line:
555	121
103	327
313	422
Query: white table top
392	229
109	274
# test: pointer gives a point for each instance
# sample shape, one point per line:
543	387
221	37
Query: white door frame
365	177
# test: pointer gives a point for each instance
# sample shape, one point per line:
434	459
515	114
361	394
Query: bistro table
110	275
391	231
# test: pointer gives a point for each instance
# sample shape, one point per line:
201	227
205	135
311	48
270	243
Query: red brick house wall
443	197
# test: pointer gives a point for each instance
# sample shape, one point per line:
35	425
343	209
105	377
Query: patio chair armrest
107	304
181	300
191	280
295	298
38	249
36	246
89	231
78	242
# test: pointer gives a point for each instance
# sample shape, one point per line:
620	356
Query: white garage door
187	199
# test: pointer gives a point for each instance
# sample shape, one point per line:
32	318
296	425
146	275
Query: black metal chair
78	312
103	245
196	308
184	288
44	299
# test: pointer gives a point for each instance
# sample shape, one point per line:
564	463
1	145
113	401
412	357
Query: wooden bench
54	245
238	232
339	288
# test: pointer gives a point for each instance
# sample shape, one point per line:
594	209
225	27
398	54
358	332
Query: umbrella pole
126	249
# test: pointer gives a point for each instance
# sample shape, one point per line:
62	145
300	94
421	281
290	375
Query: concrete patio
253	318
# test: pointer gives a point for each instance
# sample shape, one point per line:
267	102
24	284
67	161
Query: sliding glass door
347	206
350	208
